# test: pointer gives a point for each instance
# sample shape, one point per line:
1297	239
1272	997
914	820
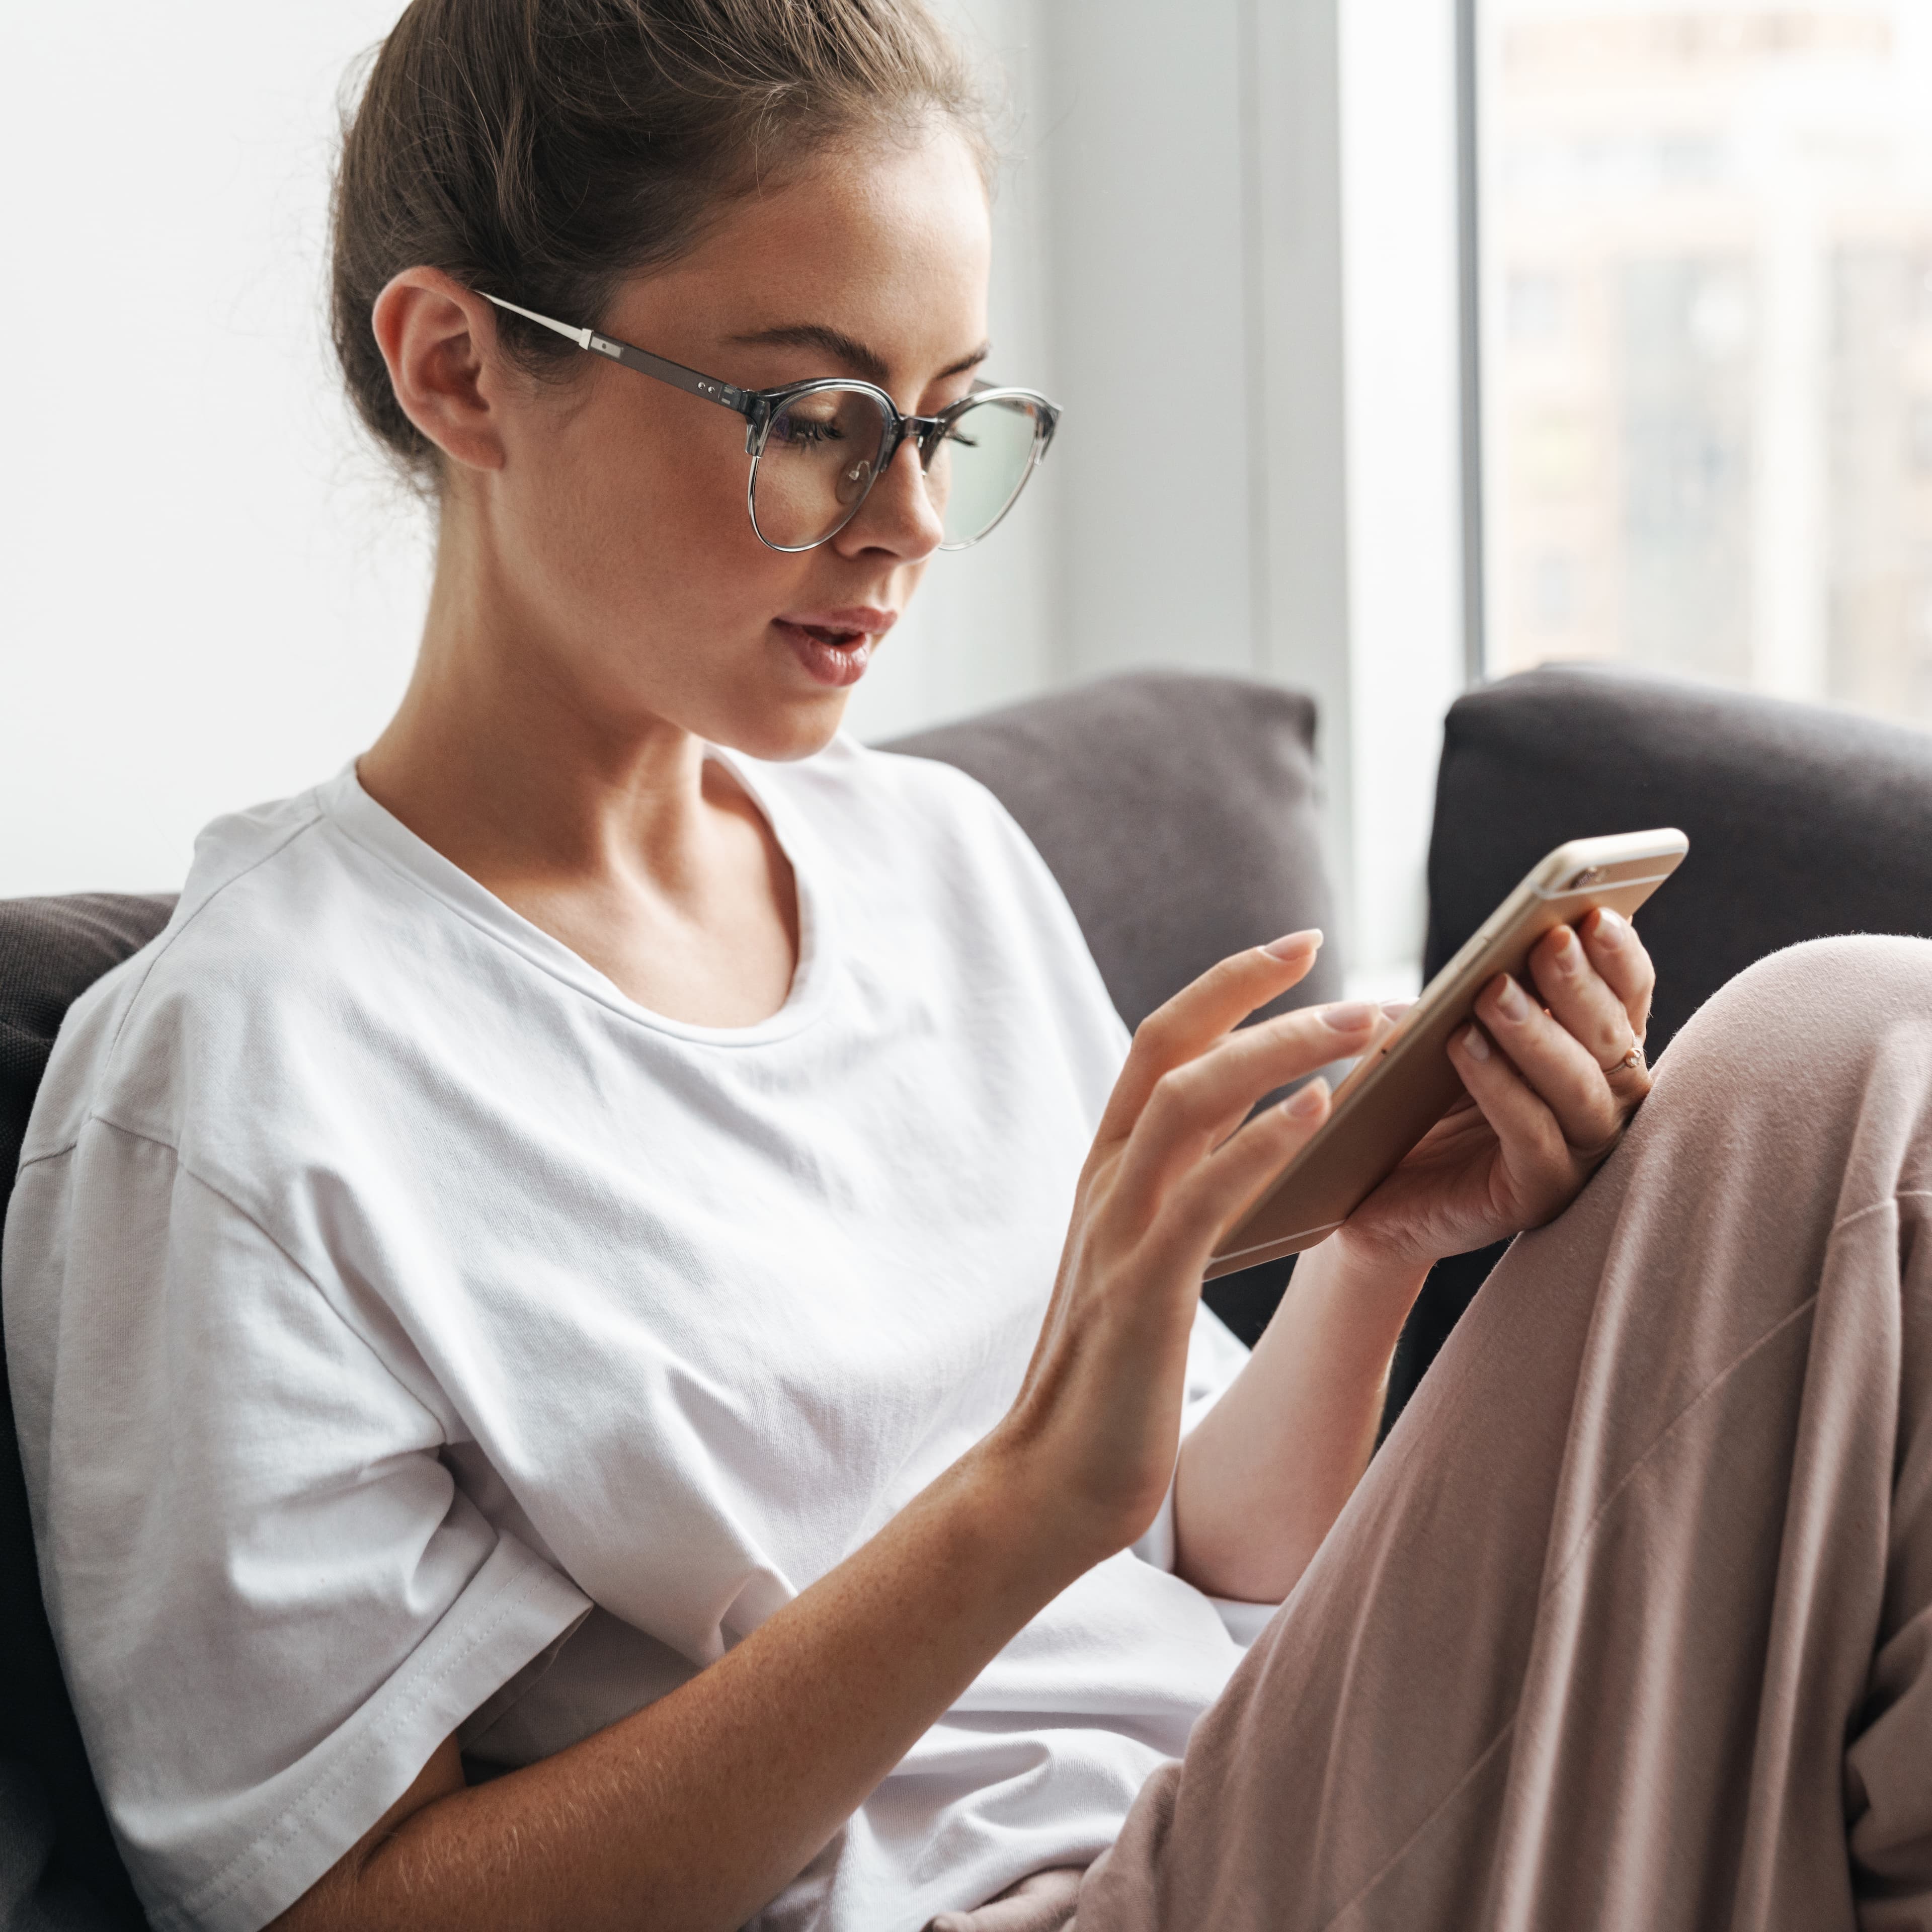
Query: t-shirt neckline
378	830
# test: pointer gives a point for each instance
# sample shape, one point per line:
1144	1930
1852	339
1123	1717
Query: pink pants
1629	1624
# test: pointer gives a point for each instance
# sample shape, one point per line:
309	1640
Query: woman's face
616	523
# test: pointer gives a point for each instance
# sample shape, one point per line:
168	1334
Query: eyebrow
843	348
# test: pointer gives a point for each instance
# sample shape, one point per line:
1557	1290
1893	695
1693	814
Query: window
1706	298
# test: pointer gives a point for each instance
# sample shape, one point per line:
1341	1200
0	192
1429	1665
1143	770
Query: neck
544	778
513	771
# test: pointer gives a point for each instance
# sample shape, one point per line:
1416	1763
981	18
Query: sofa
1182	817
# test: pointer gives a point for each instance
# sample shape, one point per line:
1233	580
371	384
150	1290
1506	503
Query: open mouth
832	654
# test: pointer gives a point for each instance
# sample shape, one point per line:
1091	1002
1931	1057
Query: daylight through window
1707	348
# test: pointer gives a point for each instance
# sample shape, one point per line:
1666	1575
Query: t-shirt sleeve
271	1602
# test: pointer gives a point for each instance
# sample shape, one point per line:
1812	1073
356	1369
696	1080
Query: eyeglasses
817	447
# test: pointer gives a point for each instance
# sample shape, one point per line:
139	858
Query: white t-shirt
411	1332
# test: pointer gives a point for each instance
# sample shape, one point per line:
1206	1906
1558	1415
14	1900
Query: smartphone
1404	1083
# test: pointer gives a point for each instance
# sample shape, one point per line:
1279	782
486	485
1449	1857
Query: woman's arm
1268	1469
696	1810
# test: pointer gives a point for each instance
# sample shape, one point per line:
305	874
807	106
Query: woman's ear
439	341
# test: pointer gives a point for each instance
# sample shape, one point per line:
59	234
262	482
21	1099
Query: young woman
607	1325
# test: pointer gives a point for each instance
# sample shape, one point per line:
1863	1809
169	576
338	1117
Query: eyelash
809	430
805	430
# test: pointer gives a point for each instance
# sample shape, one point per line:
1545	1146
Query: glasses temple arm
725	394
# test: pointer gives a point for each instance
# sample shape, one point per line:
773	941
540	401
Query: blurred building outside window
1706	298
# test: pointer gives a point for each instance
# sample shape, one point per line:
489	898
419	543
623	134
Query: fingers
1539	1170
1193	1108
1579	999
1201	1013
1213	1194
1619	957
1598	983
1556	1066
1218	1191
1554	1086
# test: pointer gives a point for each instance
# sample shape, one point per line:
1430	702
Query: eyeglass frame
760	409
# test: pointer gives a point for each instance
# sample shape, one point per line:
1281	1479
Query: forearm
1266	1473
698	1810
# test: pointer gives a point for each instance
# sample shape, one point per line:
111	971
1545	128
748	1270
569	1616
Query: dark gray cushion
1803	822
54	1842
1180	815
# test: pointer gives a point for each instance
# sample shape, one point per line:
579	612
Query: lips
835	646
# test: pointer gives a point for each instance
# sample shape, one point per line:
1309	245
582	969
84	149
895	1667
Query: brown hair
543	150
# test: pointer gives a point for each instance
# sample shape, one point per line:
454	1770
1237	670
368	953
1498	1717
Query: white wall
210	592
208	595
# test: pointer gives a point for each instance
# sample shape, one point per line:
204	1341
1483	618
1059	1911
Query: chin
786	730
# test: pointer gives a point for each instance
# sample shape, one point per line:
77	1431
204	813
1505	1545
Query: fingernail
1565	948
1394	1009
1350	1016
1310	1100
1473	1044
1511	1003
1292	943
1611	925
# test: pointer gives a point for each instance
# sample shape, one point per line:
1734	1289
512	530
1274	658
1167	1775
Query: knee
1804	1083
1827	1007
1851	982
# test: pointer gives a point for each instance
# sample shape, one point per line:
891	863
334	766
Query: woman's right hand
1092	1438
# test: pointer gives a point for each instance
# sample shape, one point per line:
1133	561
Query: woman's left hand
1549	1094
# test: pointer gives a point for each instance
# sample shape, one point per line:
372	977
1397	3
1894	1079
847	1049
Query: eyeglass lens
974	471
823	448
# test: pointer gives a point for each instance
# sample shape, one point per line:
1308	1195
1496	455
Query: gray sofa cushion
1180	814
1803	822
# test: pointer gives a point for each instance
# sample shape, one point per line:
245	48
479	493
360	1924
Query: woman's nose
899	514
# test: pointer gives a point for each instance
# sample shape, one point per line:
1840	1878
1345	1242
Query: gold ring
1634	1058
